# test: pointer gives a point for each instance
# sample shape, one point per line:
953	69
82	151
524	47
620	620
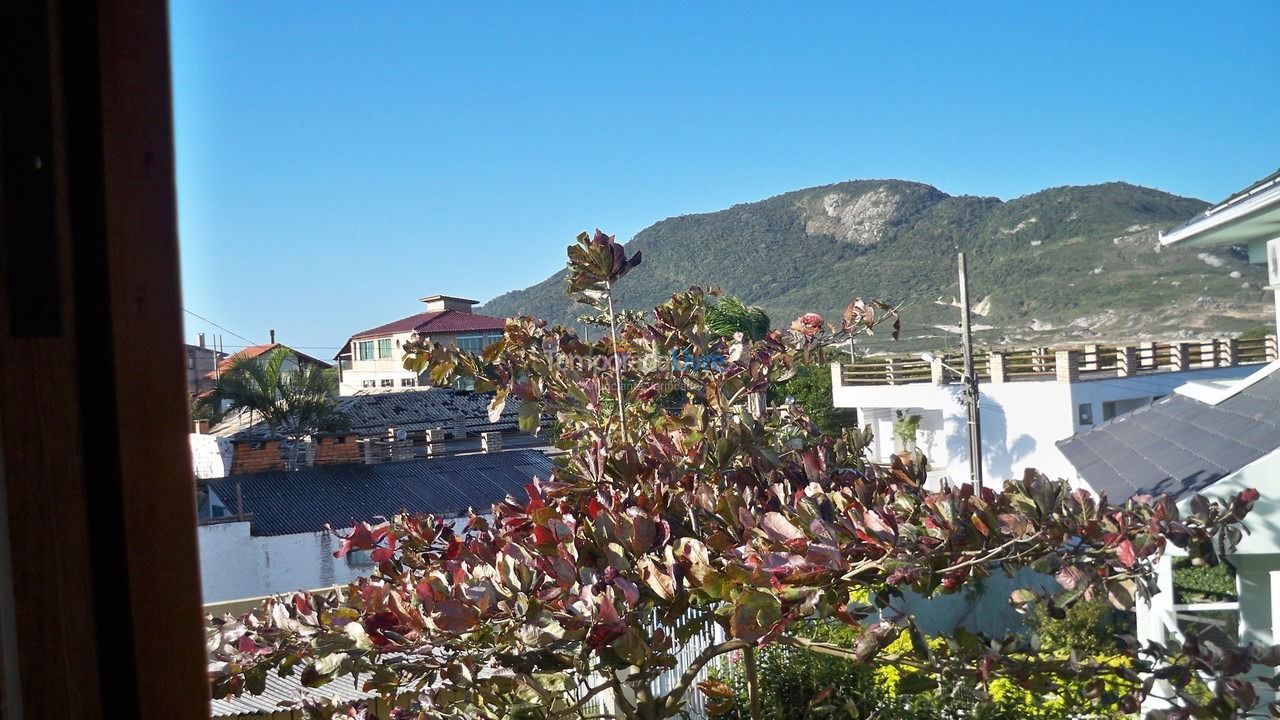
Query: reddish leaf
1125	553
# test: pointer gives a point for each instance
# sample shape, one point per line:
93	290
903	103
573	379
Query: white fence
695	702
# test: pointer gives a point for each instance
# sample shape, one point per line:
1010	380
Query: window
364	350
368	383
360	559
471	343
388	382
1085	414
408	382
384	348
1112	408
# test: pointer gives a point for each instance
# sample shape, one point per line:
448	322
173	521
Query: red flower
808	324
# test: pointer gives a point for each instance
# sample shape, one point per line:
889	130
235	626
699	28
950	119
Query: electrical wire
201	317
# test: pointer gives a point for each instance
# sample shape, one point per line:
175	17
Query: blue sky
339	160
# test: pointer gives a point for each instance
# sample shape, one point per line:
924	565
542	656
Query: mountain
1073	263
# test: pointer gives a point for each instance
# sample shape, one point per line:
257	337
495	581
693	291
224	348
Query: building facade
201	365
1029	400
372	361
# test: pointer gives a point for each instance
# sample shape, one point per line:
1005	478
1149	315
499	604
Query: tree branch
696	666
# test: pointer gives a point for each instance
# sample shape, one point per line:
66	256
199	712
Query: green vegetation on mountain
1068	264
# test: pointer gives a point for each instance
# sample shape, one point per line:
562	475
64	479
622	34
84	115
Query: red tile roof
254	351
440	321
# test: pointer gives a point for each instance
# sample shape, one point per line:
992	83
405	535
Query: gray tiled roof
286	503
409	410
425	409
1178	445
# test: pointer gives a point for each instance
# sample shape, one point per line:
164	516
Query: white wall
1021	421
235	564
210	456
376	370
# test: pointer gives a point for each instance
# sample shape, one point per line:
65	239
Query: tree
292	399
730	315
810	388
658	524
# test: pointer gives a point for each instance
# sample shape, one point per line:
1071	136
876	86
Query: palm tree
730	315
292	402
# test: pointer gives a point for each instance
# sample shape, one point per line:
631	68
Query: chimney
200	339
201	427
273	336
436	303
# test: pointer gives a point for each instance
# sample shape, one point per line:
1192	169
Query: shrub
797	684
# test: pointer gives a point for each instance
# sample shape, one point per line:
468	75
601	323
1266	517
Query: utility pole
970	382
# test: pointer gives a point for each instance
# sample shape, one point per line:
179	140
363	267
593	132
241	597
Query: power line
296	347
220	327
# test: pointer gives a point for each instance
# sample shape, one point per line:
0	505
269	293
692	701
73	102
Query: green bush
797	684
1199	583
811	389
1090	628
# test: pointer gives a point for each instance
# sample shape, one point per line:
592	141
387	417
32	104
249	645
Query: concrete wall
235	564
210	456
982	607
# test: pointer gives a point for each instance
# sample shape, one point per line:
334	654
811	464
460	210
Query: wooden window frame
100	606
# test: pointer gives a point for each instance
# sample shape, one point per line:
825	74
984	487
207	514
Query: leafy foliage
292	399
729	315
659	524
801	685
906	426
810	388
1203	583
1089	627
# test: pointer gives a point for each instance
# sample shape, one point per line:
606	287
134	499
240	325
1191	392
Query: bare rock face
860	219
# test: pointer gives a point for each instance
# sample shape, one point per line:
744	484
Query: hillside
1063	264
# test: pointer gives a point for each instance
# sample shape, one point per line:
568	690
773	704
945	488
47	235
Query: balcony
1064	364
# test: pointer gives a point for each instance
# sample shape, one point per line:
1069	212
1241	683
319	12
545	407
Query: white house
373	360
1215	439
1249	218
1030	399
264	533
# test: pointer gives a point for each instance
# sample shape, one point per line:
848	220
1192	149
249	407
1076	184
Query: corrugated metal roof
1178	445
408	410
286	689
287	503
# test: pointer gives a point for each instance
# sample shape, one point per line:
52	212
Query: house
201	363
264	533
1215	439
372	361
257	351
1029	399
1249	218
